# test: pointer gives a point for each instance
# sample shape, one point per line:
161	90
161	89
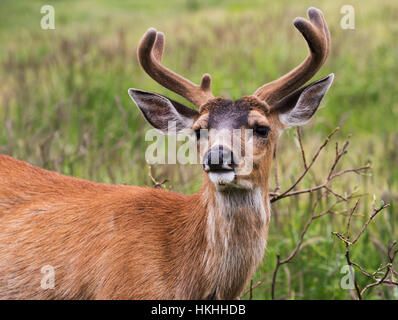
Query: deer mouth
222	177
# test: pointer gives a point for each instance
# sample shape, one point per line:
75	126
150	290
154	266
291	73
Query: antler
150	51
316	33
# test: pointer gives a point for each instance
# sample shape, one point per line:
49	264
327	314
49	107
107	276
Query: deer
106	241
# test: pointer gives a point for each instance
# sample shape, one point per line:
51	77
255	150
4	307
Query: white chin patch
222	178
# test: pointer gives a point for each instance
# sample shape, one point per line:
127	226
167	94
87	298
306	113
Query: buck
126	242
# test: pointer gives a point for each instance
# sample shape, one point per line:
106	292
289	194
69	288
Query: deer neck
236	232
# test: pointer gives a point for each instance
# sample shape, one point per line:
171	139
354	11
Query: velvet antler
316	33
150	51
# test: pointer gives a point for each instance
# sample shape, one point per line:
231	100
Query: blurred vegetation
64	106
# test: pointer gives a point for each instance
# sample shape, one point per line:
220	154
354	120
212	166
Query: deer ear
297	108
163	113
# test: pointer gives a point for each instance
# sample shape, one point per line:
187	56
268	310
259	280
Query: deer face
236	139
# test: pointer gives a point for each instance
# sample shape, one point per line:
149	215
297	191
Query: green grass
64	106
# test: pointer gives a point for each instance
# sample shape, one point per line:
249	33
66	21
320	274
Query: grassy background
64	106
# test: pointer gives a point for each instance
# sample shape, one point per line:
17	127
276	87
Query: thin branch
156	184
350	217
278	264
330	177
375	212
323	145
301	147
375	283
391	254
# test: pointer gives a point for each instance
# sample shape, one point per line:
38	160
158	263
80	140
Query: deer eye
261	131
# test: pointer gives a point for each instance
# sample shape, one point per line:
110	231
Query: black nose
219	159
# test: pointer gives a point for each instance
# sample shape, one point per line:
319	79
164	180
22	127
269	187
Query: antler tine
316	34
150	51
158	46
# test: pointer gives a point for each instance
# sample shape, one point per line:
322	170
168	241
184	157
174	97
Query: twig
369	220
323	145
350	217
276	172
278	264
301	147
391	254
156	184
331	175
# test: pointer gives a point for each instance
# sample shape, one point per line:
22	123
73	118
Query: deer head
261	116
